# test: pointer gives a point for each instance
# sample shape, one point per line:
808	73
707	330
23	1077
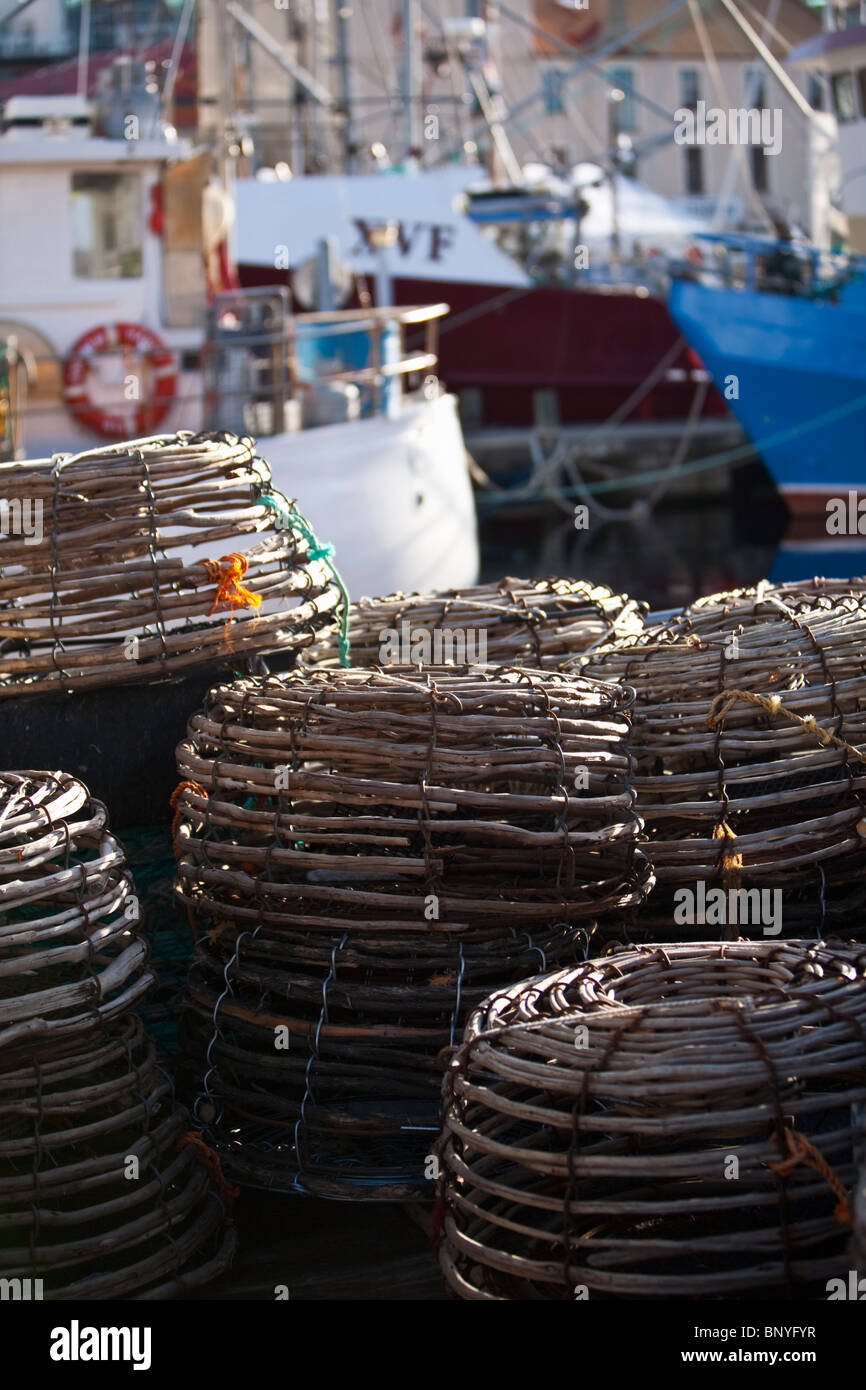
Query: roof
831	41
61	79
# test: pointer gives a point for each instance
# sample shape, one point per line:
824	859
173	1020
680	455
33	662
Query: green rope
291	517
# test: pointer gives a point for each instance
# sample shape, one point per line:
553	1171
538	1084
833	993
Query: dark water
683	549
318	1250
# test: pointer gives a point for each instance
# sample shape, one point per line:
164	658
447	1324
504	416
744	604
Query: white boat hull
393	497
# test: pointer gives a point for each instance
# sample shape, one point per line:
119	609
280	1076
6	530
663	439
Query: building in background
618	109
320	85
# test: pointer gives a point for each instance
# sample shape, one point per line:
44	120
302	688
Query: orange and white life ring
145	409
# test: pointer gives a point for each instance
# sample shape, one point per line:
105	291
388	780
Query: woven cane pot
151	558
365	855
104	1191
749	748
521	622
674	1122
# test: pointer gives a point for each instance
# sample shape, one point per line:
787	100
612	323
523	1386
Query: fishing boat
781	325
123	317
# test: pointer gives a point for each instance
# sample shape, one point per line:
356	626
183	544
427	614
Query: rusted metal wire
627	1128
154	556
366	855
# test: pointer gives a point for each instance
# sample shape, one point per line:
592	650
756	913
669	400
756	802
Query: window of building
694	169
759	168
815	92
107	226
625	114
551	87
844	97
755	88
690	88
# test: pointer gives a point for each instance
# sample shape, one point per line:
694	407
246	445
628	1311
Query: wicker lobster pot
130	580
71	958
521	622
678	1121
366	855
101	1193
750	711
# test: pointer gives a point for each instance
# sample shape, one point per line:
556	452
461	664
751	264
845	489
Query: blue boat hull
800	366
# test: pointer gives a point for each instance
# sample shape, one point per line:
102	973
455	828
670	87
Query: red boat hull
592	350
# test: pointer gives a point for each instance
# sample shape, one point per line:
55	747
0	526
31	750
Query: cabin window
861	85
107	226
844	99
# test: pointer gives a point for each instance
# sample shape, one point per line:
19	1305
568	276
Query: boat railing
258	357
742	262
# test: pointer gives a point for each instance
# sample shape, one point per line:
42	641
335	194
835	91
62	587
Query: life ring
135	419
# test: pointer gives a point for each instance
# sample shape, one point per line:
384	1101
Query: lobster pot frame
113	566
679	1121
127	1212
103	1193
71	957
521	622
748	734
365	856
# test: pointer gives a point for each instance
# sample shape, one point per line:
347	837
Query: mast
411	78
344	66
83	48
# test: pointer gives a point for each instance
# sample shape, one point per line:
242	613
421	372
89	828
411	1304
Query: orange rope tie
203	1154
176	806
801	1151
227	573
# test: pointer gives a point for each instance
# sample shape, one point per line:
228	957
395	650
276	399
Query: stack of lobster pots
681	1117
366	855
131	577
105	1192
